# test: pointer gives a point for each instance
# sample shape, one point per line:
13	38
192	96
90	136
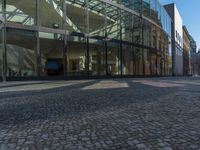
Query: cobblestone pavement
129	114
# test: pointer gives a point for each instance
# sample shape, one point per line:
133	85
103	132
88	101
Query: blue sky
190	12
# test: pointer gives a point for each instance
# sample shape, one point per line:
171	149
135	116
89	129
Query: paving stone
153	113
167	148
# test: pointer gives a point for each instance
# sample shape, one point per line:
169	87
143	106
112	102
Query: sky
190	13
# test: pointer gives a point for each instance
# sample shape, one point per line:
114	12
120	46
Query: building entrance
54	67
51	54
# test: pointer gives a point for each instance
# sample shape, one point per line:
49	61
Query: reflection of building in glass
195	57
193	46
177	39
86	38
186	52
196	64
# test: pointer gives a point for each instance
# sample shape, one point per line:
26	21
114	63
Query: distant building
186	52
177	39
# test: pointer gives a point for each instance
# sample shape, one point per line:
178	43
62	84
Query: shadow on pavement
19	107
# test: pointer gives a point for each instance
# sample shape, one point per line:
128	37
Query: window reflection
77	56
21	12
21	53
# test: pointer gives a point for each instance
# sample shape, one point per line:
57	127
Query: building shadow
20	107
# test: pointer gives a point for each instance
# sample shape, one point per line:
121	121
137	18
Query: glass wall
21	52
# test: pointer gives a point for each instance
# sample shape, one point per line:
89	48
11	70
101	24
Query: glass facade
86	38
21	52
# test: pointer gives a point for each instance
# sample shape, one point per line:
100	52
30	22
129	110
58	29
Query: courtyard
134	114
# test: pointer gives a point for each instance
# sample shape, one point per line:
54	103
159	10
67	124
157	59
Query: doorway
51	54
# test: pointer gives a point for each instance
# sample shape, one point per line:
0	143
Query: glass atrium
73	38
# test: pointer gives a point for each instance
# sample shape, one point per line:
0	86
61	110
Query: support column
38	56
121	67
143	61
87	37
106	38
65	69
4	53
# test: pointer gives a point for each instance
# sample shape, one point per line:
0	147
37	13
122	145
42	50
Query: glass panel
97	65
76	13
138	5
128	3
154	13
127	60
113	58
158	7
154	36
21	53
153	60
147	62
146	8
137	30
97	19
77	56
51	13
51	51
169	59
113	22
116	1
21	12
159	65
146	33
138	58
127	26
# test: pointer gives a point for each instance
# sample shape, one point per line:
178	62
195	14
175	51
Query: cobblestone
146	114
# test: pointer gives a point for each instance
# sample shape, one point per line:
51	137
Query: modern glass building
84	38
